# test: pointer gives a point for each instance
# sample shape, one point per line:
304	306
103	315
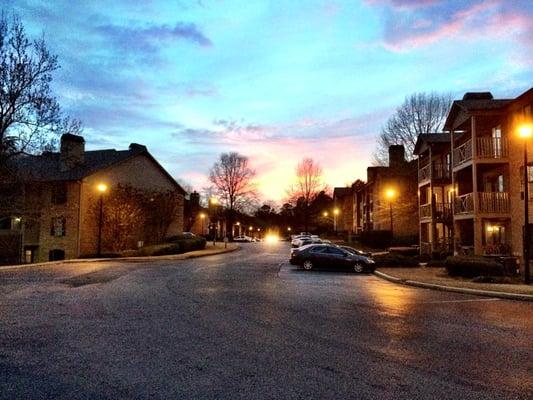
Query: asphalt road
245	325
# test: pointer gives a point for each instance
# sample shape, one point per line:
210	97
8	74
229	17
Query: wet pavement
247	325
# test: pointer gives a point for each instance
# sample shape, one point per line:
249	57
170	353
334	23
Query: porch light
202	215
490	228
336	211
325	214
101	187
251	228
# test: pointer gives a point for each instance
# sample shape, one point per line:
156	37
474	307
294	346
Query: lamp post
390	194
102	188
526	132
213	201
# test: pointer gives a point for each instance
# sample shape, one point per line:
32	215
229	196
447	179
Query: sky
276	81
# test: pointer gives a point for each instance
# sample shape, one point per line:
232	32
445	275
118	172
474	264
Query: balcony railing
425	211
424	173
486	147
489	147
464	204
494	202
440	171
488	203
443	211
462	153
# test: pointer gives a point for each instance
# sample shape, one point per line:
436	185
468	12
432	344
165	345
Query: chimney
194	199
72	152
396	156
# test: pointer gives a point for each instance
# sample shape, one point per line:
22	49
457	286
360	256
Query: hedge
393	260
473	266
176	246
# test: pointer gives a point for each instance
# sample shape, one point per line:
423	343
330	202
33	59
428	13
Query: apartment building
470	178
48	211
435	192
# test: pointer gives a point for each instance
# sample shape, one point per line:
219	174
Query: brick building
45	211
471	177
343	203
372	208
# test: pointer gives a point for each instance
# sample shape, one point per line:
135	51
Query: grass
439	276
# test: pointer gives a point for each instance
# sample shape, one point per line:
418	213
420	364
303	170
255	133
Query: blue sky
274	80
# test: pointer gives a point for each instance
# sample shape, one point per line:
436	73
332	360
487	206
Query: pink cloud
493	19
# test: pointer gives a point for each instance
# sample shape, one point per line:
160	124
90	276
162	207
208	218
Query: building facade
50	207
470	178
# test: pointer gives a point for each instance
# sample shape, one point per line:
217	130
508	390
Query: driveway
247	325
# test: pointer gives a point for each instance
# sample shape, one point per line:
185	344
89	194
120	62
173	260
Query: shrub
376	239
405	251
472	266
393	260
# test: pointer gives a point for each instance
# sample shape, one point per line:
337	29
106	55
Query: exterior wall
516	162
138	172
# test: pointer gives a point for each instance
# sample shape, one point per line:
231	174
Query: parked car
188	235
243	238
330	256
355	251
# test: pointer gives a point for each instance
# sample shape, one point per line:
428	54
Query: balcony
435	171
488	203
487	148
425	211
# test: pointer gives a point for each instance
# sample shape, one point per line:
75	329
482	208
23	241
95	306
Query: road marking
456	301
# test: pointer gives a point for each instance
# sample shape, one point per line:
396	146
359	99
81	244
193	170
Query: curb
476	292
174	257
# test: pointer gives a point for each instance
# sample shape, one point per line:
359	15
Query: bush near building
175	245
473	266
395	260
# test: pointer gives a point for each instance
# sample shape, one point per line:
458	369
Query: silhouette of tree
419	113
29	113
232	180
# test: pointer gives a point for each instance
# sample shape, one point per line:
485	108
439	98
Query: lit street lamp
102	188
526	132
335	213
390	194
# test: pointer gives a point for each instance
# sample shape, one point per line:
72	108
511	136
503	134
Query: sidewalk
437	278
208	251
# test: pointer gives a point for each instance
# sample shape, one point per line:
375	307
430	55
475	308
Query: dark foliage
472	266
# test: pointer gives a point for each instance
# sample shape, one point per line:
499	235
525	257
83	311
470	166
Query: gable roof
471	103
429	138
49	167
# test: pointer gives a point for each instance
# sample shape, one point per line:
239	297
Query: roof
428	138
49	167
342	191
472	102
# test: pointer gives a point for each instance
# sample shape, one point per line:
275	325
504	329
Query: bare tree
419	113
29	113
232	180
308	186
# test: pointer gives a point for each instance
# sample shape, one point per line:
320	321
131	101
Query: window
497	142
337	252
58	227
59	193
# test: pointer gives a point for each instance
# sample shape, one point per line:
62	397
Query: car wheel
358	267
307	265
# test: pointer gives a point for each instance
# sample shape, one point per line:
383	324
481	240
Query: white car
243	238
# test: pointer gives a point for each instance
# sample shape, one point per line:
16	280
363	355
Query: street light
102	188
325	213
525	131
390	194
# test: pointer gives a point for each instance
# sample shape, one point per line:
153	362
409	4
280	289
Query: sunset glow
276	82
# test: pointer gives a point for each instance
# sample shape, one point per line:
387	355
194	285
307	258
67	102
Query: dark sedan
330	256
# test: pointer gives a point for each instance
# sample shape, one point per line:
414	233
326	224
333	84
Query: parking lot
248	324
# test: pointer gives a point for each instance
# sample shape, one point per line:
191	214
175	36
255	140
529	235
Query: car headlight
369	261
